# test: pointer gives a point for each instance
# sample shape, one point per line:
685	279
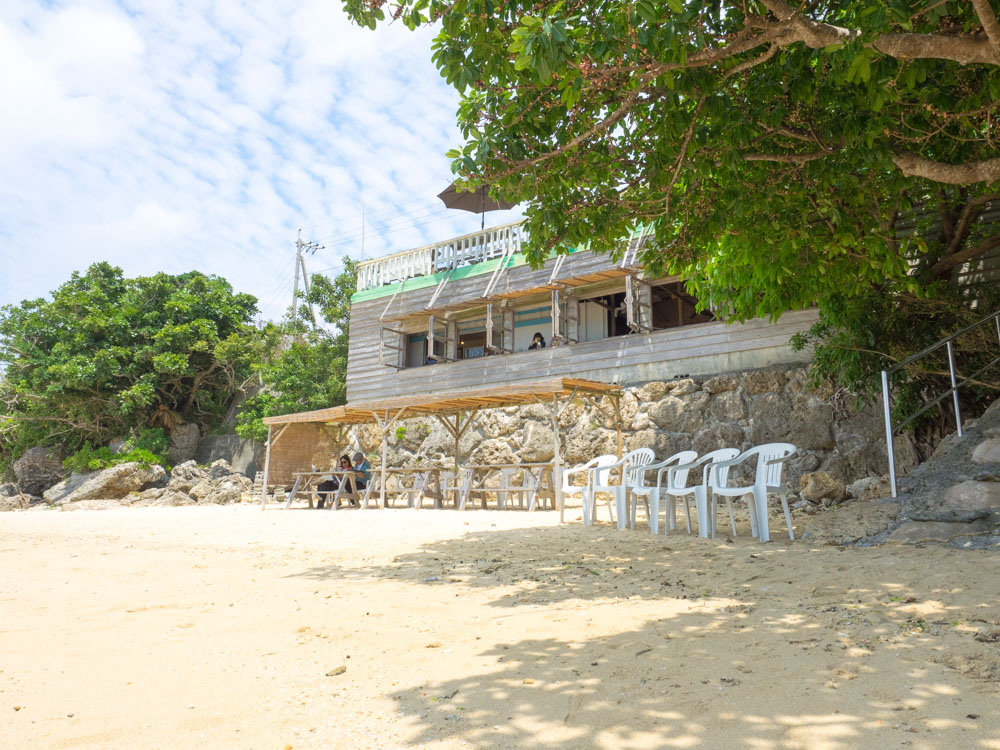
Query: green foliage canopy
108	355
773	148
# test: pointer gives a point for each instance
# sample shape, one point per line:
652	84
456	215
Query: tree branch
682	153
961	49
971	173
989	21
945	265
788	158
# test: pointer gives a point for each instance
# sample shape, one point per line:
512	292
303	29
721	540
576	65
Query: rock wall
736	410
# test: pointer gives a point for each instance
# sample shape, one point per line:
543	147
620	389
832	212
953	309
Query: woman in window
537	341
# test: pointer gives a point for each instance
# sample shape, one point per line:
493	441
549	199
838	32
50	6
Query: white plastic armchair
767	480
676	486
601	480
568	488
666	472
599	476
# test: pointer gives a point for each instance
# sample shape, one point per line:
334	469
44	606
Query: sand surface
226	627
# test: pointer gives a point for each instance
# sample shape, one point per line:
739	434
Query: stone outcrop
113	483
133	484
821	485
37	470
183	443
239	453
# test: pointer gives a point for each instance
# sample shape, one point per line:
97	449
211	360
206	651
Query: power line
400	220
387	215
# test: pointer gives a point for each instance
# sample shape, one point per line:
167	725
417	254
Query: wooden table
347	488
426	484
536	483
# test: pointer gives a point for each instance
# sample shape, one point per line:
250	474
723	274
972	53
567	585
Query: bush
148	447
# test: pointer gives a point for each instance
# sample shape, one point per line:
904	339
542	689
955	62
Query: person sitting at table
325	489
362	471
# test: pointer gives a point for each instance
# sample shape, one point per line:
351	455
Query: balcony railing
466	250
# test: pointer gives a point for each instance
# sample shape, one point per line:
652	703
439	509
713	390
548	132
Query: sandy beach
226	627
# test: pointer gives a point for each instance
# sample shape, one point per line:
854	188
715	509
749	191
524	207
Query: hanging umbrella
477	201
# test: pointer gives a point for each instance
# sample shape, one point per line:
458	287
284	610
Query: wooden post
616	403
384	425
267	468
557	458
385	445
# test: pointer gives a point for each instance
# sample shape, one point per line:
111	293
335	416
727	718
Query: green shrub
148	447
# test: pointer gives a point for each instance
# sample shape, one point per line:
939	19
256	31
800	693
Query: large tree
782	154
108	355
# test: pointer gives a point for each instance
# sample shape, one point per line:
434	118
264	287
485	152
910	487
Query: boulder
587	442
870	488
113	483
65	488
183	443
414	434
9	490
37	470
11	502
220	469
727	407
236	451
185	476
721	384
163	498
680	414
974	495
538	443
764	381
818	485
662	443
684	387
492	452
653	391
716	435
987	452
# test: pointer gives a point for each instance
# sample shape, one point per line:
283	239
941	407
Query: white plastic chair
599	480
676	486
568	488
631	462
653	492
459	485
767	479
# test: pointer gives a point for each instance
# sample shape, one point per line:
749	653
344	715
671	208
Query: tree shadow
637	641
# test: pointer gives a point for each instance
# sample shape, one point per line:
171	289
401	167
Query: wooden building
462	313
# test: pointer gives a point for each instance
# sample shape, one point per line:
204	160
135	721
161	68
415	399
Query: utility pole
301	248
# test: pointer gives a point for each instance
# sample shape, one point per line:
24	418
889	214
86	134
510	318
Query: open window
672	306
472	338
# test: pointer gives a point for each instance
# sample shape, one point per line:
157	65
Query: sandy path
217	627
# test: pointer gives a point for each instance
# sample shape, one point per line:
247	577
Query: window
673	306
472	338
528	322
603	317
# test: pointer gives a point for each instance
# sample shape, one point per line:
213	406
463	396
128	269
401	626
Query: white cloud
170	136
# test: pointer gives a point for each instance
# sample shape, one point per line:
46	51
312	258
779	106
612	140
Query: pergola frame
457	411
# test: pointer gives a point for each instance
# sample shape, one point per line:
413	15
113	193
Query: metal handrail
953	391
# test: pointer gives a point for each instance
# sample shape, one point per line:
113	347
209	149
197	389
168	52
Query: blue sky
192	134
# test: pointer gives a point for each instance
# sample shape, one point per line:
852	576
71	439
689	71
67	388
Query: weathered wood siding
701	349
